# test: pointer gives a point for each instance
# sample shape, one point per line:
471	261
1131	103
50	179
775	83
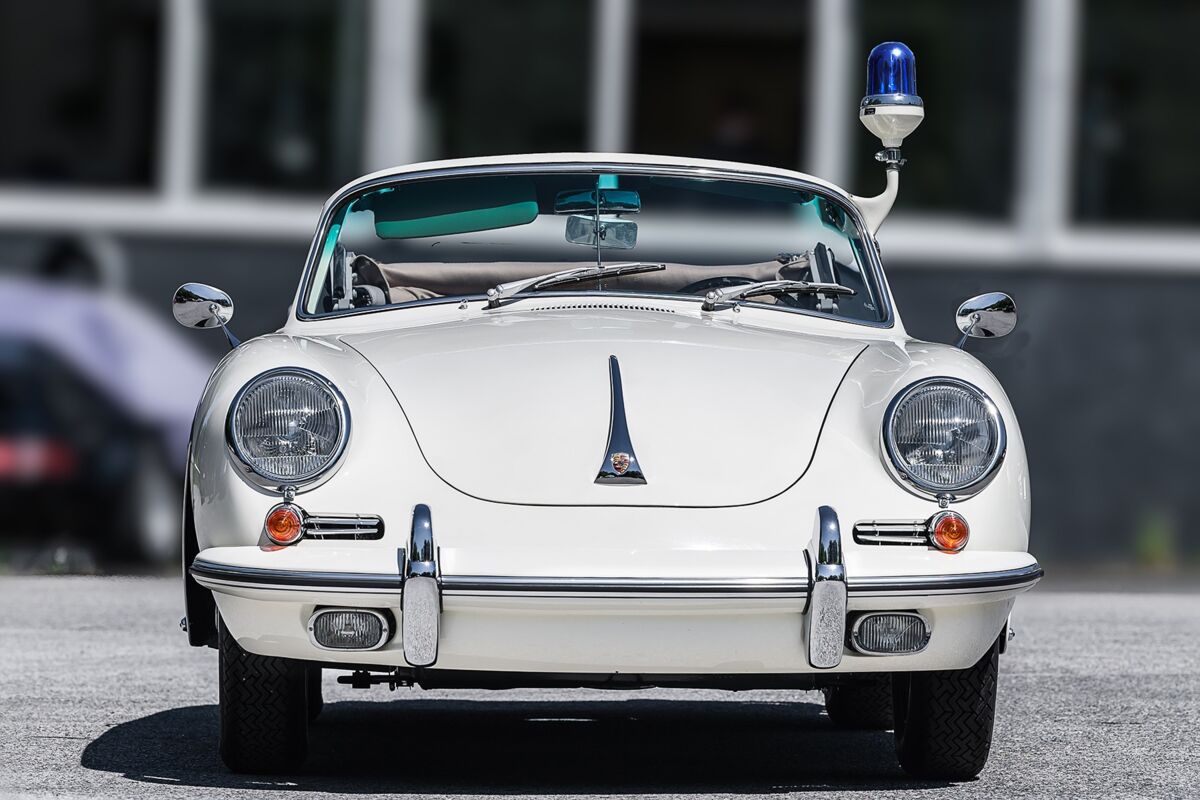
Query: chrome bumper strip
466	585
976	582
966	583
284	578
497	584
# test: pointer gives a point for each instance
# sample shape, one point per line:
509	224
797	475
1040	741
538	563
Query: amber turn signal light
949	531
284	524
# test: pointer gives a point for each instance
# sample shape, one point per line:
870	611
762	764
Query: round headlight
288	426
944	435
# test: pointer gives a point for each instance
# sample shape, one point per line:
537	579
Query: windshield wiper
503	291
717	296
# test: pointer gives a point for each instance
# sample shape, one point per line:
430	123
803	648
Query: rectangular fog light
889	633
348	629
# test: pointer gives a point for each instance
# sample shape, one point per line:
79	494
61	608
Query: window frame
358	188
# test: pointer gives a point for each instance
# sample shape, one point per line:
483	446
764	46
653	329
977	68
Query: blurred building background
197	139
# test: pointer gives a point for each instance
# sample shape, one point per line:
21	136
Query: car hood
514	407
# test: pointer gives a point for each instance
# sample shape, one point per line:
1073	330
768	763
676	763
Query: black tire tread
945	719
863	706
316	698
264	710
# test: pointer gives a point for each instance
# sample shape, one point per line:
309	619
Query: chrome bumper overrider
827	616
421	602
420	586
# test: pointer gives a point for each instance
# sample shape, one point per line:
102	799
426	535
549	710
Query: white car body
495	420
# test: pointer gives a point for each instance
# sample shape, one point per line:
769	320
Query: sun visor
441	208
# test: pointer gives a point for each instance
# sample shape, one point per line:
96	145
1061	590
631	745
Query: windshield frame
869	248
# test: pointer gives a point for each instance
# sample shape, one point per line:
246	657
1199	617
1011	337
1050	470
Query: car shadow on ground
528	747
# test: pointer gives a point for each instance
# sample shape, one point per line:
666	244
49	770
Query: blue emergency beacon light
891	109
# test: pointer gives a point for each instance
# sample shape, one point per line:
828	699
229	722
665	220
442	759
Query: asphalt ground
100	696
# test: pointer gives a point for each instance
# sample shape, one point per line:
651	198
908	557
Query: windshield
424	240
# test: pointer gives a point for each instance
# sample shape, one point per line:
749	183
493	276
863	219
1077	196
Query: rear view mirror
612	234
610	201
986	316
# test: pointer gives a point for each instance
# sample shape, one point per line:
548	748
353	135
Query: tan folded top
416	280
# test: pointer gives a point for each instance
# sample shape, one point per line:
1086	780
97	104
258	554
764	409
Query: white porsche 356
608	421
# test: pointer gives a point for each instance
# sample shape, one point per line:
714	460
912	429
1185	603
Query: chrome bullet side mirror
198	305
986	316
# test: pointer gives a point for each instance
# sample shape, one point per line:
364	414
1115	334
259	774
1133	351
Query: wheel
944	719
316	700
863	706
264	710
150	513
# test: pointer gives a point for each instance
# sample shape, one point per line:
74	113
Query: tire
944	719
865	706
264	710
316	700
150	510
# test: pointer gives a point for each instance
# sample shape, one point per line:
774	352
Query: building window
968	73
511	77
722	80
284	94
1135	158
79	92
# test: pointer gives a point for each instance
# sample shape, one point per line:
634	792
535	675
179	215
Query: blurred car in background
96	398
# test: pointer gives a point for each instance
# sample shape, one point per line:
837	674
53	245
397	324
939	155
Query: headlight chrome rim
278	483
900	469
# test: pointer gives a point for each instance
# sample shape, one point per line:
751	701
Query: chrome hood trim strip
620	465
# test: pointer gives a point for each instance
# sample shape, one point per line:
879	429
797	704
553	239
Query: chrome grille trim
343	526
601	306
914	533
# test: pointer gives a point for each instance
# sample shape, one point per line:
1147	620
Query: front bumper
768	621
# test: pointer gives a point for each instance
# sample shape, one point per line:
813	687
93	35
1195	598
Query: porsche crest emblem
620	463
